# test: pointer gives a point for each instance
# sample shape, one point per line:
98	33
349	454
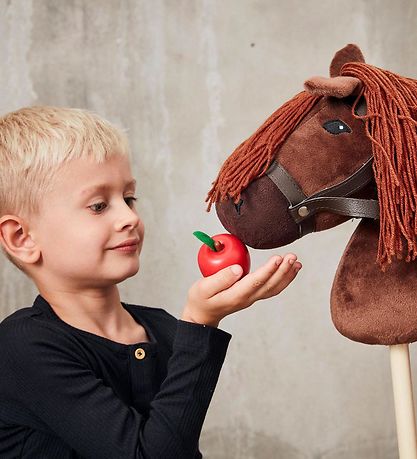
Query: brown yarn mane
252	157
390	124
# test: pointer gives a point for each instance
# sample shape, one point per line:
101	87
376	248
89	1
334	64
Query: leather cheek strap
333	199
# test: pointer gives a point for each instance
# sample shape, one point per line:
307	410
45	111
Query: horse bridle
333	199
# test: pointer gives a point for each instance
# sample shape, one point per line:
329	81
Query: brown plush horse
327	155
345	147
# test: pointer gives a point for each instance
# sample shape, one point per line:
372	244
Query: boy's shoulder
24	324
26	333
17	318
20	314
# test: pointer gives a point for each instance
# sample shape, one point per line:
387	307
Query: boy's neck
97	311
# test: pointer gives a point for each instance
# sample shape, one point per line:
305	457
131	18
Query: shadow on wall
228	444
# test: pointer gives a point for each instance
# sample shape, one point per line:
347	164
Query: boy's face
79	226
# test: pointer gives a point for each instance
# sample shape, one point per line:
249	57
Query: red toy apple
220	251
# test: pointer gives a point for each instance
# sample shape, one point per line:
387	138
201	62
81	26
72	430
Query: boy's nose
128	218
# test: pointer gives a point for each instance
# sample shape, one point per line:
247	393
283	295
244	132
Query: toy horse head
345	147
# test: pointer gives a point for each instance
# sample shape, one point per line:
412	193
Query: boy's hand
214	297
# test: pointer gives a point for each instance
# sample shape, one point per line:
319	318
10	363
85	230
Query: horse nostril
238	206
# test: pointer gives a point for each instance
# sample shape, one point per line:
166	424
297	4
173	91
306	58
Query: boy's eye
131	200
97	207
100	206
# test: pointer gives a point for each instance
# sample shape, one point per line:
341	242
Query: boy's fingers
281	279
252	282
288	263
221	280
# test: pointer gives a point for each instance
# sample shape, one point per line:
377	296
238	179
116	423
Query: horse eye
336	127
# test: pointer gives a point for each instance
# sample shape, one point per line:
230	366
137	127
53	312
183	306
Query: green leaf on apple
206	239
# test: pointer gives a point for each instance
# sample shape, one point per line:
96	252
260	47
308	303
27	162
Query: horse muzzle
260	219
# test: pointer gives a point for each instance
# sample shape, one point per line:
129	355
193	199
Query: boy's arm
193	371
44	374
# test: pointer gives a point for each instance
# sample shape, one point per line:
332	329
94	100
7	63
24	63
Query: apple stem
206	239
218	245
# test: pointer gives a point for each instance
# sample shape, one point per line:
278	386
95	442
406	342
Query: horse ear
340	86
350	53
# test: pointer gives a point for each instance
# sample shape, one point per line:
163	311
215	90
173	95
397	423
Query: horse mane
390	124
252	157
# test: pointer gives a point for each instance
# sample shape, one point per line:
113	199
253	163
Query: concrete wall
191	80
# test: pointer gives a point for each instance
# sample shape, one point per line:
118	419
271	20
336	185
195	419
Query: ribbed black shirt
67	393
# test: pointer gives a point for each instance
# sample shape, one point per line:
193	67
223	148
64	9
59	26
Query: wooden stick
403	401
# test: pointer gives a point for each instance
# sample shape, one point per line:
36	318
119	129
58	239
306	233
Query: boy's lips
128	242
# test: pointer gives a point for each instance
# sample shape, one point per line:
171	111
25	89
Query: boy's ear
16	239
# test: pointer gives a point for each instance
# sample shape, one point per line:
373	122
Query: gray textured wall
190	80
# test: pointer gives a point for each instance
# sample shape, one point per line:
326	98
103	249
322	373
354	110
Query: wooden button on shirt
140	354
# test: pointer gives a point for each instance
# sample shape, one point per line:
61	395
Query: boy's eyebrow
104	186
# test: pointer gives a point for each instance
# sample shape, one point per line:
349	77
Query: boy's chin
127	274
134	271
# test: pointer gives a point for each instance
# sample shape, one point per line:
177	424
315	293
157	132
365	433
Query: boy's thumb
236	270
223	279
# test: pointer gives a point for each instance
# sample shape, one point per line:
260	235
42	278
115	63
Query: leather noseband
333	199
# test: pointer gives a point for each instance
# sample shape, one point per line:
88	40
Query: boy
82	373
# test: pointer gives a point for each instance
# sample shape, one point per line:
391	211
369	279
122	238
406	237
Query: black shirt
67	393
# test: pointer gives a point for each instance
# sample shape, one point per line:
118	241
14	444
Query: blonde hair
36	141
